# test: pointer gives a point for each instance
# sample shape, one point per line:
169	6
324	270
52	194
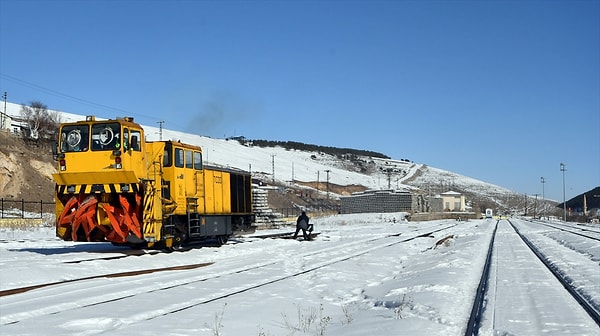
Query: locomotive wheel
177	241
222	240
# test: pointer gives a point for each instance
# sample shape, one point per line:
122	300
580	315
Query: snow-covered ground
365	274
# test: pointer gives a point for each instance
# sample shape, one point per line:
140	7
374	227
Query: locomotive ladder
194	225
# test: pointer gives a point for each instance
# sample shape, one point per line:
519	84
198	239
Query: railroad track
59	299
570	229
128	252
488	286
594	312
478	304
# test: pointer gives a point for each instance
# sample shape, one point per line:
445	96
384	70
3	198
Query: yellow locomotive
114	186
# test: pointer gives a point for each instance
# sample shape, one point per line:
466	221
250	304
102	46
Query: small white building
10	117
5	121
449	201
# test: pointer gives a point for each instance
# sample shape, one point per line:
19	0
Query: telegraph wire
79	100
69	97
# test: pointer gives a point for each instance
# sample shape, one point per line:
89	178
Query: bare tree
43	124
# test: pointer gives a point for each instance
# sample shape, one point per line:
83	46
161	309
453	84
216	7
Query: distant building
8	112
5	121
376	201
11	120
448	201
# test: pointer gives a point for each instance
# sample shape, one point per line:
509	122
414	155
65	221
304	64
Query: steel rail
585	304
569	231
477	310
198	302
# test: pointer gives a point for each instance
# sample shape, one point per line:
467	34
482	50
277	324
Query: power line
68	97
81	101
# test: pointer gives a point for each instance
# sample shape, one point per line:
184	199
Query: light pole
563	169
543	179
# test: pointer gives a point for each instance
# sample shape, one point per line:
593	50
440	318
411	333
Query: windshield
106	136
74	138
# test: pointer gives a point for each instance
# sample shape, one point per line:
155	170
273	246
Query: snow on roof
451	193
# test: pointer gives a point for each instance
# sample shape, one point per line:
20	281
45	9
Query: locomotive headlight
63	164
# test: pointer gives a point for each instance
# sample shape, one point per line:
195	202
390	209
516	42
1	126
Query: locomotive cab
113	145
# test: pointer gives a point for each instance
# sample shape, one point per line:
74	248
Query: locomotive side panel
183	180
218	196
209	198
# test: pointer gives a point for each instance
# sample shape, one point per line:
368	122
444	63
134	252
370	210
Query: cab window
74	138
179	157
106	136
136	140
167	159
125	138
188	159
197	160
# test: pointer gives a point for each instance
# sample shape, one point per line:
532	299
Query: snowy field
365	274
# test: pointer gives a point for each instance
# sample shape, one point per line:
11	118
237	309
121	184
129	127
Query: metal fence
11	208
294	212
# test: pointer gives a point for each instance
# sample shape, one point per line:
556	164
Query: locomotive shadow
209	243
79	248
123	251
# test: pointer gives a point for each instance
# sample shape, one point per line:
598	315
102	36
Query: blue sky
501	91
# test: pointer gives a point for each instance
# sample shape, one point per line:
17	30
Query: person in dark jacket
302	224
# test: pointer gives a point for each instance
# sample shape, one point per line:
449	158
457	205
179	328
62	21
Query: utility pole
563	169
160	128
543	197
273	166
318	181
535	206
3	115
327	185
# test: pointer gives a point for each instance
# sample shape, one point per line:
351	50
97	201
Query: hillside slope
305	178
26	169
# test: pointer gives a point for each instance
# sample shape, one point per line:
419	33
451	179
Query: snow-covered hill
295	167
